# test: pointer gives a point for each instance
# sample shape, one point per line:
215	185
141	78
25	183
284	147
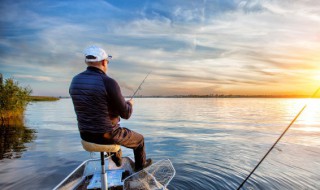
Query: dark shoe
146	164
116	159
118	162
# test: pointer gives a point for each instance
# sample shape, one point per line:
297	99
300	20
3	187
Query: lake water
212	143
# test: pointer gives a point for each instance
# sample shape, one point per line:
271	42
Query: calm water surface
213	143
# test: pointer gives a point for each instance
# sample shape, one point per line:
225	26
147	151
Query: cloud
224	47
197	44
38	78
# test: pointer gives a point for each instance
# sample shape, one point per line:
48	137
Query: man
99	104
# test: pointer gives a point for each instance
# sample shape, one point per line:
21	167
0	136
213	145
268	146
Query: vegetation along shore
43	98
14	100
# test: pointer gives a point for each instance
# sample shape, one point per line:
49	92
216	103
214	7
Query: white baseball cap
97	52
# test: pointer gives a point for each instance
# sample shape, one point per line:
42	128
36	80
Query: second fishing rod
279	138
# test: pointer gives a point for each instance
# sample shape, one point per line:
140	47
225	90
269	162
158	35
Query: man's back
90	101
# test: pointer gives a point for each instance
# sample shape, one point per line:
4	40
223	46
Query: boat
88	176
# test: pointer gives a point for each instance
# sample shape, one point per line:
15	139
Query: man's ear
103	63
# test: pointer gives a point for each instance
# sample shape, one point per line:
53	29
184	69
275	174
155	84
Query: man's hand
130	101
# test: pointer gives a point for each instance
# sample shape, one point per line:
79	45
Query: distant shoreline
226	96
217	96
43	98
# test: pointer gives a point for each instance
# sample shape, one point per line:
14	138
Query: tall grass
13	101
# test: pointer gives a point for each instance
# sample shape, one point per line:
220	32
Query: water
213	143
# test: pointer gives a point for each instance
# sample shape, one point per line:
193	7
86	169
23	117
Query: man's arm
117	102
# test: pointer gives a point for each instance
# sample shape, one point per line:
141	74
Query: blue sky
191	47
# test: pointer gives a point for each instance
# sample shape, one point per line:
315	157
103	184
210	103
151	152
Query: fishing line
295	118
139	87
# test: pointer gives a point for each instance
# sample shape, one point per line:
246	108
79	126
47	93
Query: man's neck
101	69
98	67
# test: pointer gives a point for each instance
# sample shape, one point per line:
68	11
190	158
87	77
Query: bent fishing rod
295	118
139	87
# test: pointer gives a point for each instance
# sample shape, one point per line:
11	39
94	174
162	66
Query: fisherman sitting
99	105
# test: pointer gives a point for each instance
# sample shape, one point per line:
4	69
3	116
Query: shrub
13	100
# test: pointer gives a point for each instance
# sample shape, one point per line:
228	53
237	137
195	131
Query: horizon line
206	96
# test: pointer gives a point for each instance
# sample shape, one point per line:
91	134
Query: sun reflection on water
309	119
306	130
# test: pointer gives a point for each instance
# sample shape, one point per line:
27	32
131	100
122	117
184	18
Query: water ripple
212	143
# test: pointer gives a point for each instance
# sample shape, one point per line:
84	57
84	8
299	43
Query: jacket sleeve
118	105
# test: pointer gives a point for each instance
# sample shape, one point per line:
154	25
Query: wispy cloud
233	46
38	78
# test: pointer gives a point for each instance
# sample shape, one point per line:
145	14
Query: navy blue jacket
97	98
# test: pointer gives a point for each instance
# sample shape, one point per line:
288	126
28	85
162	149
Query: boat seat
92	147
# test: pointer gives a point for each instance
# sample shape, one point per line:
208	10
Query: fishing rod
295	118
139	87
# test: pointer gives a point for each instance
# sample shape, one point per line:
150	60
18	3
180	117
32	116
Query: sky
258	47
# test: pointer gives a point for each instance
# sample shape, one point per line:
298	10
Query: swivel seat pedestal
92	147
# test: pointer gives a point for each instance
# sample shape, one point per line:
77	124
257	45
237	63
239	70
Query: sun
316	77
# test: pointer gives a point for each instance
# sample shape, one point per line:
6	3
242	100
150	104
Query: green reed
13	102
